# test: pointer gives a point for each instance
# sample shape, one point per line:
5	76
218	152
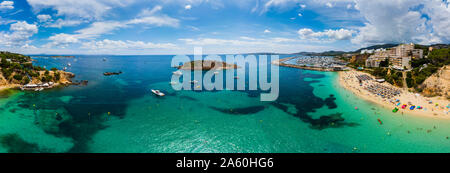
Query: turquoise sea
119	114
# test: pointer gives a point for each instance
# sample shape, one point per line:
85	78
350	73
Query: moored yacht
158	93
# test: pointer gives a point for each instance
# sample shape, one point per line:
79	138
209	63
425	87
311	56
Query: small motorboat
404	106
173	83
158	93
395	110
412	107
179	73
68	64
65	68
216	72
104	59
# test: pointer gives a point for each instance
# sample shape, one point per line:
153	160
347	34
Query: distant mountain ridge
326	53
382	46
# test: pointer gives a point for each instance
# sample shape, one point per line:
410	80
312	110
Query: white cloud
47	21
349	6
250	45
96	29
44	17
267	31
61	40
64	23
18	35
193	28
156	20
187	7
439	13
149	12
86	9
279	3
243	41
8	5
99	28
398	22
151	17
125	45
327	35
4	21
27	46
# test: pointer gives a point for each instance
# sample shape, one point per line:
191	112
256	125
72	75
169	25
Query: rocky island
207	65
17	71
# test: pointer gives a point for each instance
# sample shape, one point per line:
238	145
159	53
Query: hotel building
399	57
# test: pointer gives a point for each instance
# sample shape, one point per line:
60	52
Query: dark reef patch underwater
14	144
300	94
240	111
84	114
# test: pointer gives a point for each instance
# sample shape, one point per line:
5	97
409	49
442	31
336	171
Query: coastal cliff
438	84
17	70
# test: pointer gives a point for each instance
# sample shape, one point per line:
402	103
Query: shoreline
64	81
348	81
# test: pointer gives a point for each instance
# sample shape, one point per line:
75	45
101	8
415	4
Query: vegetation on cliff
424	68
18	69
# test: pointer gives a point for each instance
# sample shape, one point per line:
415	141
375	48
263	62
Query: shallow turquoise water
312	114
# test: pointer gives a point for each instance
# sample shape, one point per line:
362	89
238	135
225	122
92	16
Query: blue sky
218	26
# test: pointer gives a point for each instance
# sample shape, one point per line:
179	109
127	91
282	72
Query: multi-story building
417	53
404	50
399	56
400	63
374	61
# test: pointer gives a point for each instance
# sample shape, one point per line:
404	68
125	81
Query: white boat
177	73
68	64
216	72
158	93
104	59
173	83
65	68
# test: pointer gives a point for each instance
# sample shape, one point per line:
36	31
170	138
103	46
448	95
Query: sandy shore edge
347	80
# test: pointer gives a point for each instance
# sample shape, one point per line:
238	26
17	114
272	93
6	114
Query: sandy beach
436	109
